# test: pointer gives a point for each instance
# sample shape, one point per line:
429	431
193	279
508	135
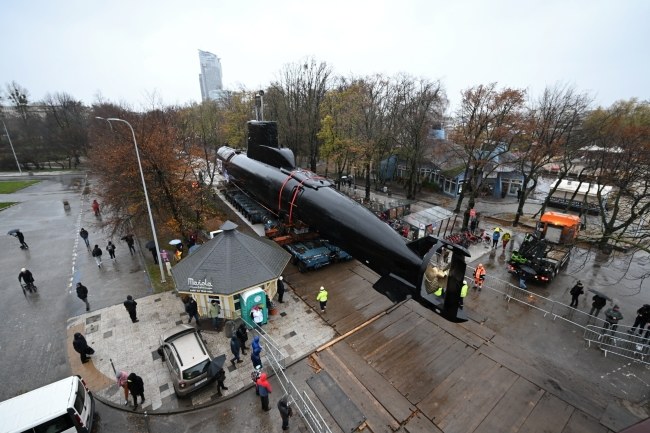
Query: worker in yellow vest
463	293
322	299
439	292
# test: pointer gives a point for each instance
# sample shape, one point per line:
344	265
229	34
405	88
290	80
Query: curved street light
144	187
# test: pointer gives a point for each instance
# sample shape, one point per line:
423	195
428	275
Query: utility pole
12	147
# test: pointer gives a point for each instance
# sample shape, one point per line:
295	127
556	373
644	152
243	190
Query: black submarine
267	173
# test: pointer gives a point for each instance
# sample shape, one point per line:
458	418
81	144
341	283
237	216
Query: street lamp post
146	195
12	147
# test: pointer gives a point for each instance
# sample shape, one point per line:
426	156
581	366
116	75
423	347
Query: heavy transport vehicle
547	250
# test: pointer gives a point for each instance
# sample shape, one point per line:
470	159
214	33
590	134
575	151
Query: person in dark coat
84	235
97	254
130	306
234	348
136	388
597	305
576	291
154	254
82	293
256	350
221	377
81	347
285	412
21	239
192	310
280	289
130	242
242	336
111	250
642	318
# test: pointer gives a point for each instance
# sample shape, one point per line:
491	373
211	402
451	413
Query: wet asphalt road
32	339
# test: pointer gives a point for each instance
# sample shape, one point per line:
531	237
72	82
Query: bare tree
295	101
620	157
552	131
421	104
487	124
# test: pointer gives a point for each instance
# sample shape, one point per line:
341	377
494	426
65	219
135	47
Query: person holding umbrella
21	238
151	246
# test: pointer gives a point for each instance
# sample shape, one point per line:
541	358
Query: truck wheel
302	267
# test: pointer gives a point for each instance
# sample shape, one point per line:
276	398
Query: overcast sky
127	51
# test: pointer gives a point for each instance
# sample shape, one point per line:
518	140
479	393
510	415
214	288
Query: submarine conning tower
263	146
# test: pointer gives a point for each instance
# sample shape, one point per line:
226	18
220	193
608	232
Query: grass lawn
4	205
10	186
154	275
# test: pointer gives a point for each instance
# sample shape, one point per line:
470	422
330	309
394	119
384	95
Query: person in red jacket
264	388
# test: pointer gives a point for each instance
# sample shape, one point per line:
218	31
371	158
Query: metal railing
306	408
622	341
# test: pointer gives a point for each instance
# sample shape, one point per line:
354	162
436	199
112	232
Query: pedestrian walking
472	225
192	310
82	348
111	250
21	239
285	411
221	378
131	307
256	350
82	293
612	317
84	235
322	299
463	292
136	388
214	310
479	277
264	388
523	276
122	379
242	336
97	254
505	239
280	289
154	254
642	318
130	242
575	292
597	304
95	207
496	234
234	348
255	375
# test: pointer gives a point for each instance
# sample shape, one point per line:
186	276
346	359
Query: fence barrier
622	341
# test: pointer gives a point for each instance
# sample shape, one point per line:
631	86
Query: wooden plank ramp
336	402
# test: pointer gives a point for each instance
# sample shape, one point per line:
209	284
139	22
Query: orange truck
544	252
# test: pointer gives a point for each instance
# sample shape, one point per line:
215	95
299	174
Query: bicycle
28	287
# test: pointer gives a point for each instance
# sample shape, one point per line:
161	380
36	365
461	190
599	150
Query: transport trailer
314	254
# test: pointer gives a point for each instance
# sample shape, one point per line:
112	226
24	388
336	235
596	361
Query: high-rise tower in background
210	76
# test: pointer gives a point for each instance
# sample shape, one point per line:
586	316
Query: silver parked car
188	359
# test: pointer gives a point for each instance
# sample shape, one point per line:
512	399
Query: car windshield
196	371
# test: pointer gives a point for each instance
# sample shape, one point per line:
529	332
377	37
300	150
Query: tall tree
488	122
421	104
552	129
294	100
169	181
65	118
620	157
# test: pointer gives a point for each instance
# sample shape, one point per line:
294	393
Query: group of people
613	315
497	234
96	251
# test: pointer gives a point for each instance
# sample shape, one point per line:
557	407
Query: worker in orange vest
479	276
